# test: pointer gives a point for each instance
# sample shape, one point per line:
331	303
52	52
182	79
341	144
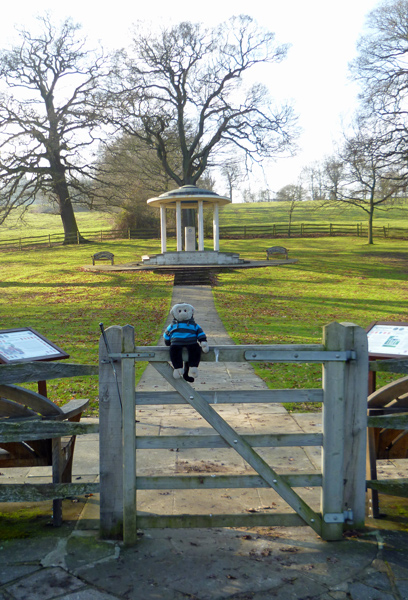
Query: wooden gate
344	357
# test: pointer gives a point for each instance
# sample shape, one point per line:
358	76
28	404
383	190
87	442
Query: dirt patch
202	466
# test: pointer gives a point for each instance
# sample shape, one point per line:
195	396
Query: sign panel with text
25	344
388	339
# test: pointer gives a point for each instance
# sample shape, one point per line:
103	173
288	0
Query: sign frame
42	349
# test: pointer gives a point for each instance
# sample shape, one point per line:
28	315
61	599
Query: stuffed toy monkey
184	332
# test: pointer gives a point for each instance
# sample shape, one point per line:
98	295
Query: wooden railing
272	230
344	394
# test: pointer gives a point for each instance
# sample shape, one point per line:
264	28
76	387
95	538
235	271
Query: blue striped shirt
183	333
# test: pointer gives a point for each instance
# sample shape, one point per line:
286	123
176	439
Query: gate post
356	425
129	437
333	435
345	388
110	437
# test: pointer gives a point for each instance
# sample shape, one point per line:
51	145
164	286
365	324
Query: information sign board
387	339
24	344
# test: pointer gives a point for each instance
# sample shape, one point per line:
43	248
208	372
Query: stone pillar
200	226
216	230
178	227
163	228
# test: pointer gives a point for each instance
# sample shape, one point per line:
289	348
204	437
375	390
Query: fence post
129	437
110	438
345	389
356	425
333	434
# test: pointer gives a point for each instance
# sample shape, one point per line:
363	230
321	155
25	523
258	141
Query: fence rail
58	239
114	430
273	230
279	230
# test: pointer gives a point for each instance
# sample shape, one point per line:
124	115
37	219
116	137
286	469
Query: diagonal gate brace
239	444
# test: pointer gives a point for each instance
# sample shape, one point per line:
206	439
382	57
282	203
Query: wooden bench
21	405
103	256
276	250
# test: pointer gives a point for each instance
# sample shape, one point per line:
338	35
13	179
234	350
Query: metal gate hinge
344	517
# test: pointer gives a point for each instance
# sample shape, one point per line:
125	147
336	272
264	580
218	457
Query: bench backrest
276	250
104	255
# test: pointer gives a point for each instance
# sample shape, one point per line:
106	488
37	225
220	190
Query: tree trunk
71	231
370	225
188	215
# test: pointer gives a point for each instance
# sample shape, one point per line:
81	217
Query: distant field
263	213
234	214
44	223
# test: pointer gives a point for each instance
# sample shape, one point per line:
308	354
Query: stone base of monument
207	257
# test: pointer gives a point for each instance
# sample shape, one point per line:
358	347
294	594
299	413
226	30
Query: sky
314	77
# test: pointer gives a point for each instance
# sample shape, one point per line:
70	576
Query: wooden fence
283	230
272	230
35	428
343	355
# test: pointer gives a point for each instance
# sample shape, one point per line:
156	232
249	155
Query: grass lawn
336	279
48	291
264	213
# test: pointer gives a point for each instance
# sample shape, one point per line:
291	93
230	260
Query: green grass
48	291
264	213
336	279
39	224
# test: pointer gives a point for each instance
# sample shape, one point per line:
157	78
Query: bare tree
47	124
232	173
129	173
314	177
192	79
381	68
366	173
292	194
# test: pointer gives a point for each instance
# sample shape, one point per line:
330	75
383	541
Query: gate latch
344	517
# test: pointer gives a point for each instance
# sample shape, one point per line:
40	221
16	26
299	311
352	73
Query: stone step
194	277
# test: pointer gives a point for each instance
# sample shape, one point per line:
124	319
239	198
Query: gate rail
344	357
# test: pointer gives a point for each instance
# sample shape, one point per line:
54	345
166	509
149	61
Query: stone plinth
208	257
